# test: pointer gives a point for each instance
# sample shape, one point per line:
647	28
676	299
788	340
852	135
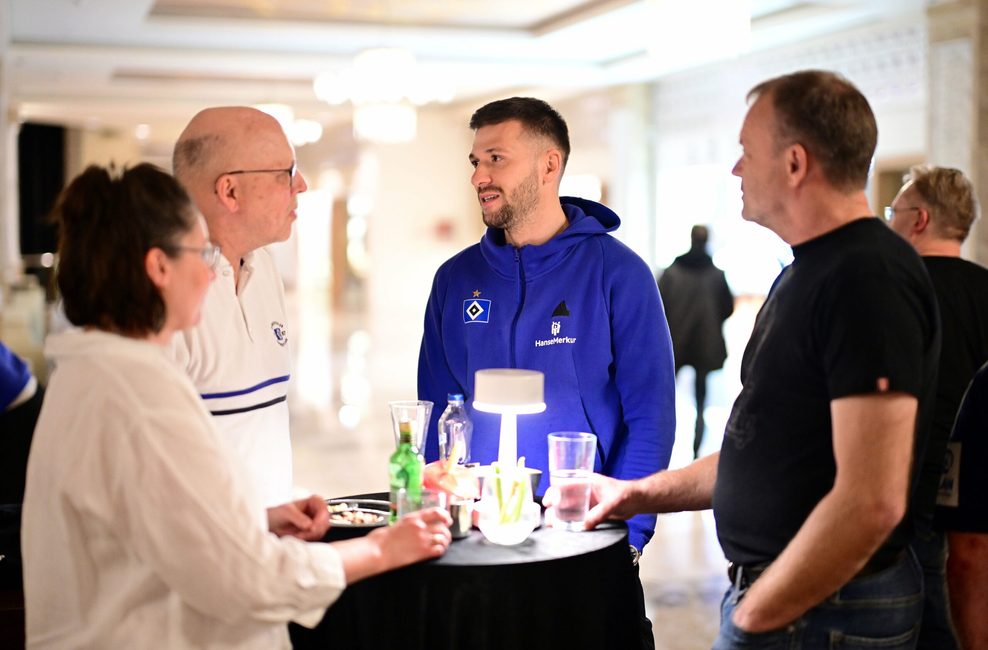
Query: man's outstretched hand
610	498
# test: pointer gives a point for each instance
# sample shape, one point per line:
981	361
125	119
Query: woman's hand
306	519
417	536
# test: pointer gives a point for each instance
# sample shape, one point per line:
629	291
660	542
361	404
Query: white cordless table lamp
510	392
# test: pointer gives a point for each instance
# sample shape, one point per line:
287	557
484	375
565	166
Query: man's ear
156	265
922	220
797	164
552	166
228	192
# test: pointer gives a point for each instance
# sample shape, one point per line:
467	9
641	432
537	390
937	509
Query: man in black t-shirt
934	211
962	510
811	487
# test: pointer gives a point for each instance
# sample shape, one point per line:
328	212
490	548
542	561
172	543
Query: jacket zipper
521	303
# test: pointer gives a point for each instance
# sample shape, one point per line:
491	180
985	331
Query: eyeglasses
890	211
209	253
291	171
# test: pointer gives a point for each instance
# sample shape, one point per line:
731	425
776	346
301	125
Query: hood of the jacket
586	219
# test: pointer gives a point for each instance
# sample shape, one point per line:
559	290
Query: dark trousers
937	629
648	641
700	396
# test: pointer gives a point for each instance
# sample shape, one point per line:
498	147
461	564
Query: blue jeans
881	610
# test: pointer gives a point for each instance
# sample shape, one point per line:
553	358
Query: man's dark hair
191	155
828	116
535	115
698	237
107	223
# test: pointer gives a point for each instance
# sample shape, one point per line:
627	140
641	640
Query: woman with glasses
139	528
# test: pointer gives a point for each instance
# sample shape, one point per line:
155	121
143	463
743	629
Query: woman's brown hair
107	223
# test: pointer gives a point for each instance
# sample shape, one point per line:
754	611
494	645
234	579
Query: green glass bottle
405	470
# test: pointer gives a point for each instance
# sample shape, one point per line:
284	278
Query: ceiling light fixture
300	132
698	32
384	85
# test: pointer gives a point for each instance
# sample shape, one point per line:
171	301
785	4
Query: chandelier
300	132
384	85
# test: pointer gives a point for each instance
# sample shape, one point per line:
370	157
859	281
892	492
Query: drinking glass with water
571	461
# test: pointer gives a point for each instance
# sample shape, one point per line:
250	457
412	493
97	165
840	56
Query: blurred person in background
934	211
140	527
697	300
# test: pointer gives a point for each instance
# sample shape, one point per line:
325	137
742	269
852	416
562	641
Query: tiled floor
342	438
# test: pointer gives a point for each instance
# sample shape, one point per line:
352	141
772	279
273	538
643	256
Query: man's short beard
523	202
504	218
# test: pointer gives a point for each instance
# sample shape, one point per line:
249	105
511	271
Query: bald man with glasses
240	170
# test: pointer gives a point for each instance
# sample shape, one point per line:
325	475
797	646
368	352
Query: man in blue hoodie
548	289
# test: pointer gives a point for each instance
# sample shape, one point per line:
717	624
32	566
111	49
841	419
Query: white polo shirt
239	359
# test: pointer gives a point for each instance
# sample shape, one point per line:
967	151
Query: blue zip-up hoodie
581	308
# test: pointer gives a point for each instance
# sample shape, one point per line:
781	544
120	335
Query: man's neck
233	254
539	228
938	247
827	212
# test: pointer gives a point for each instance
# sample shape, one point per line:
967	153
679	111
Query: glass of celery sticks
507	515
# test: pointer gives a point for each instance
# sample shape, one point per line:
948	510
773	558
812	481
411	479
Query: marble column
957	89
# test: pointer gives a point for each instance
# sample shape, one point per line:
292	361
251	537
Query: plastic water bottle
455	431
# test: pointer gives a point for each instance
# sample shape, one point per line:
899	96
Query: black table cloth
555	590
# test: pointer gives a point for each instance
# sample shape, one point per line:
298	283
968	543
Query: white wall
418	185
86	147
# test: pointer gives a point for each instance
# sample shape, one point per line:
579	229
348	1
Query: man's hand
609	499
688	488
306	519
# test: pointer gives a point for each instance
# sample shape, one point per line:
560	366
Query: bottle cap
455	397
404	431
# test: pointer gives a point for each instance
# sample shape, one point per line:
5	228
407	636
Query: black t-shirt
853	314
963	502
962	294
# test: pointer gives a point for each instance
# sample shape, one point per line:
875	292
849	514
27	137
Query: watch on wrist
635	555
